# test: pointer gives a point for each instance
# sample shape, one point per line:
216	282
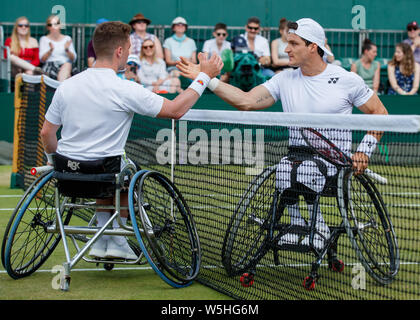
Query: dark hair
367	45
293	25
108	36
254	20
283	23
219	26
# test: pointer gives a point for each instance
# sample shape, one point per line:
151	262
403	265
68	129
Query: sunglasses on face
221	34
148	47
53	24
23	25
253	28
412	29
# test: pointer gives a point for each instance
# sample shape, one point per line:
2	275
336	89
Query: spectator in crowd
259	45
24	51
153	72
330	59
56	51
219	42
91	56
139	24
403	71
179	45
131	69
413	40
367	67
279	57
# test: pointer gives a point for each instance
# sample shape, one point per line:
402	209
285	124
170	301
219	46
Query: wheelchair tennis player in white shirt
95	109
314	87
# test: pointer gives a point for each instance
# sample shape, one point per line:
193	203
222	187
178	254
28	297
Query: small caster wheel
108	266
247	279
309	283
337	265
65	283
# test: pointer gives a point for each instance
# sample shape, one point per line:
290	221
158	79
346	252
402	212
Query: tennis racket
325	148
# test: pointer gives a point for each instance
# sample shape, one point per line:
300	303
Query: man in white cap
314	87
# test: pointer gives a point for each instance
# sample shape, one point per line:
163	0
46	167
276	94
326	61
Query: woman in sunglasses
24	51
153	74
56	51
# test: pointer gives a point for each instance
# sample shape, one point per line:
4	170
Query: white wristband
200	83
213	84
368	145
50	157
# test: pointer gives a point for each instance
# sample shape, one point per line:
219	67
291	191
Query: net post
14	180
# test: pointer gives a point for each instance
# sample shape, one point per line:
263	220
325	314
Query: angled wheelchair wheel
165	228
28	245
369	226
245	239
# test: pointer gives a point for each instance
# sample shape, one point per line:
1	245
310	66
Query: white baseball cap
179	20
133	58
312	31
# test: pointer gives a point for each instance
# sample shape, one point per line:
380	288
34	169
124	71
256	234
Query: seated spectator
139	24
56	51
366	67
91	56
24	51
259	45
218	43
153	72
413	40
179	45
279	57
330	59
403	71
131	69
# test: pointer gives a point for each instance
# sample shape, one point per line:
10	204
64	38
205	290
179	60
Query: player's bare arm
257	99
49	136
373	106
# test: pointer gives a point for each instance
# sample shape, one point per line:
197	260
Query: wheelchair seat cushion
86	179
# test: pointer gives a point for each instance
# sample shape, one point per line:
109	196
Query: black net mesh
230	178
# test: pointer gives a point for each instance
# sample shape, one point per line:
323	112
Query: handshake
210	66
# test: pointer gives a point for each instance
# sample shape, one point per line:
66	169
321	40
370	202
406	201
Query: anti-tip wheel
247	279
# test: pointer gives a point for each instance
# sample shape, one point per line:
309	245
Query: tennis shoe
99	248
289	238
118	247
322	235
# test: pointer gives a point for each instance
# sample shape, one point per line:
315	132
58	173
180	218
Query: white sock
115	223
102	218
295	216
320	222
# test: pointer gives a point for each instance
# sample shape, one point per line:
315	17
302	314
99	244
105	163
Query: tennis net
225	163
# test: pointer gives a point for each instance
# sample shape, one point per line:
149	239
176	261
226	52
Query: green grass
96	283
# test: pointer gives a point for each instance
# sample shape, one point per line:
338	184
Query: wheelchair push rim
369	227
136	209
29	230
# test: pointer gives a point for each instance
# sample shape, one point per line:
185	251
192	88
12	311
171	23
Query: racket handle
39	170
376	177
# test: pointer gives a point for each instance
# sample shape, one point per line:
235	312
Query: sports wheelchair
160	228
258	223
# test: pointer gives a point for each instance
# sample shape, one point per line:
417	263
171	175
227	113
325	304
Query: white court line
211	267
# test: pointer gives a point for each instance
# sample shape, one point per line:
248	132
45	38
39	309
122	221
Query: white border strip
388	123
37	79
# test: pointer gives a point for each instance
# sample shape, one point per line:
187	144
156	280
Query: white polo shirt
261	46
334	91
96	108
210	46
